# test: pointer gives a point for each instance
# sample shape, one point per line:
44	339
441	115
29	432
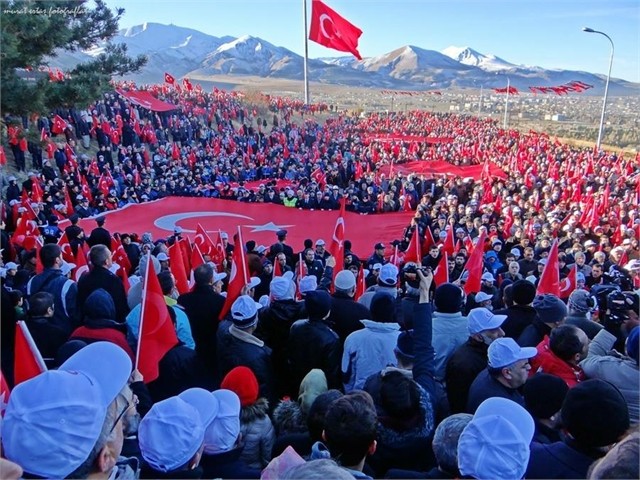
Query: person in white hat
495	444
507	370
67	422
471	357
237	345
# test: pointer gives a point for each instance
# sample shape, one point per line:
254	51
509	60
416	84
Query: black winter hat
544	395
523	292
383	308
448	298
317	303
595	413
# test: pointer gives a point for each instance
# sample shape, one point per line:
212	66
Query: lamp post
606	86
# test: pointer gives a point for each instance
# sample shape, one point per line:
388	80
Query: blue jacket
450	330
183	328
368	351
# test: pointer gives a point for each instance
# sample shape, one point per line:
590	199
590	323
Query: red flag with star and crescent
331	30
569	283
550	277
239	276
170	79
337	240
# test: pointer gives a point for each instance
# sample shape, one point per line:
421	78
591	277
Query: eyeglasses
134	402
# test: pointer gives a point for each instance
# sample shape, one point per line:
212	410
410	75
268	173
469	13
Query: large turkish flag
259	222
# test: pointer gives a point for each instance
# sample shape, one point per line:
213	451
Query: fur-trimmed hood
253	412
288	418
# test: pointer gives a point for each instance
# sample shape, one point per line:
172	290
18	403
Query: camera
410	274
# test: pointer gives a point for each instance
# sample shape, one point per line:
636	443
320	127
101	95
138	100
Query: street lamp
606	86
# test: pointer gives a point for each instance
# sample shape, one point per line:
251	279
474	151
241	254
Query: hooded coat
99	322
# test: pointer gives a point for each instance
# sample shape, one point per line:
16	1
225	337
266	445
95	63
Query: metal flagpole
306	53
506	104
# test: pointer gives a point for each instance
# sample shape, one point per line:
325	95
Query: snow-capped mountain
187	52
469	56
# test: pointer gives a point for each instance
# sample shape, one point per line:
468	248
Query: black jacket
227	465
237	348
485	386
180	369
462	369
312	344
273	328
346	314
518	318
533	334
47	336
203	307
100	277
559	460
99	236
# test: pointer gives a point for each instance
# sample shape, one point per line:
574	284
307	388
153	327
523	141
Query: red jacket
546	361
103	335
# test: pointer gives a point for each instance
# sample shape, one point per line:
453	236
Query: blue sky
545	33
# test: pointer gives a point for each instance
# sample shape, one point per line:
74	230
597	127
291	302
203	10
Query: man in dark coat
471	358
346	313
47	336
595	416
521	314
507	370
313	344
101	277
203	306
274	324
551	312
283	247
100	235
237	346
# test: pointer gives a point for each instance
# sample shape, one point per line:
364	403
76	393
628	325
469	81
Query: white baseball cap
483	297
481	319
53	420
505	351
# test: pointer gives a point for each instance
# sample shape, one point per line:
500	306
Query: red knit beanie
244	383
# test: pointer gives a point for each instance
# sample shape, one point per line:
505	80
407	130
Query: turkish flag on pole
81	265
27	359
337	240
239	276
65	246
196	260
361	284
474	266
570	283
428	240
441	273
449	242
331	30
58	125
550	278
169	79
156	335
119	254
205	244
414	251
177	268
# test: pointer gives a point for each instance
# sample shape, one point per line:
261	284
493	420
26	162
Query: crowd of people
335	367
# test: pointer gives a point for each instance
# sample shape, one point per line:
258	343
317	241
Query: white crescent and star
169	222
268	227
324	17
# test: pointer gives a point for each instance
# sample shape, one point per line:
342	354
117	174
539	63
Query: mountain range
185	52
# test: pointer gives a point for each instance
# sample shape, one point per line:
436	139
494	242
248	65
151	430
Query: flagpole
145	287
244	257
306	53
